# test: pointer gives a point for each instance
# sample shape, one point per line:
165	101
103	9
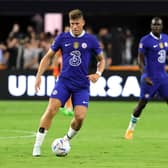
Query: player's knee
51	111
80	118
143	104
79	115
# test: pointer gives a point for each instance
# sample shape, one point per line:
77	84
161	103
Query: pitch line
29	134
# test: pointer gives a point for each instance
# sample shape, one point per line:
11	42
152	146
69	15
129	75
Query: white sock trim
71	133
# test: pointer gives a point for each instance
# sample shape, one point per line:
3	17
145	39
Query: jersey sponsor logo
76	58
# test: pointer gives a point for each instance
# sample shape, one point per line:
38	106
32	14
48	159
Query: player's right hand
148	81
37	84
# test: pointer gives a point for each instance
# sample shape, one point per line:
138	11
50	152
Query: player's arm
100	68
100	64
44	63
141	64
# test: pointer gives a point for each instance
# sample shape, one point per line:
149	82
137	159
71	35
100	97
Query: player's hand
37	84
93	77
148	81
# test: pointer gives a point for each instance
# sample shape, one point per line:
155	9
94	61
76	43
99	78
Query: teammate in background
76	47
57	66
152	54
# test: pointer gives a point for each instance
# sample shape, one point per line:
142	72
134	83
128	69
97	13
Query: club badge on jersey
161	45
76	45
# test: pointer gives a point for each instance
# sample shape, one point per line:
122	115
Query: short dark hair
75	14
156	19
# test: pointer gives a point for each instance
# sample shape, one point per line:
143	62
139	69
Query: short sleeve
56	43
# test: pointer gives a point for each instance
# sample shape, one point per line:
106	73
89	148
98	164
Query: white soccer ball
60	147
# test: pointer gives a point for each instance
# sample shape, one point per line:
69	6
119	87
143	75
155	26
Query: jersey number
162	56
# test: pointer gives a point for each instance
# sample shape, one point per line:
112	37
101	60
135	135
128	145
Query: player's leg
58	98
147	92
77	121
134	118
80	102
45	124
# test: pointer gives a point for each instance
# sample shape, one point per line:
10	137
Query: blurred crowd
24	50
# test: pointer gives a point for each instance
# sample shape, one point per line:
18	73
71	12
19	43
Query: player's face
76	26
156	26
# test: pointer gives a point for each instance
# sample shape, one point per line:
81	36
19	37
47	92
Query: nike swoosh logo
68	44
154	46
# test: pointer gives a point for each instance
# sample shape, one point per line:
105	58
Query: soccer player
77	47
153	49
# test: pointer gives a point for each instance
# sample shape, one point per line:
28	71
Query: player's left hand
93	77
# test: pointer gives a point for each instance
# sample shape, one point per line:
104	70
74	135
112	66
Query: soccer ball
60	147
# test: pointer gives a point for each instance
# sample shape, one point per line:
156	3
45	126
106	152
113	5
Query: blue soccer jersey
76	53
155	51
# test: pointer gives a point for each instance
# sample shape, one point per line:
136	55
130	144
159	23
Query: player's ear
151	26
161	26
84	22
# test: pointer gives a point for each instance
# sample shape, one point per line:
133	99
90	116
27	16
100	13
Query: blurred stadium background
28	28
118	24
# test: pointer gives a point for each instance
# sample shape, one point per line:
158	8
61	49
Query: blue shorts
63	89
159	87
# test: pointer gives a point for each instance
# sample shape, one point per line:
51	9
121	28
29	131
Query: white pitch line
30	134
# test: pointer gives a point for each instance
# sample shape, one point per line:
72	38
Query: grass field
100	144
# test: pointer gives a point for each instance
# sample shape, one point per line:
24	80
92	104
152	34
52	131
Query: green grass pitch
100	143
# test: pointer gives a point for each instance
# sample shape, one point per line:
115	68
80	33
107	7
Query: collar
83	32
155	36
